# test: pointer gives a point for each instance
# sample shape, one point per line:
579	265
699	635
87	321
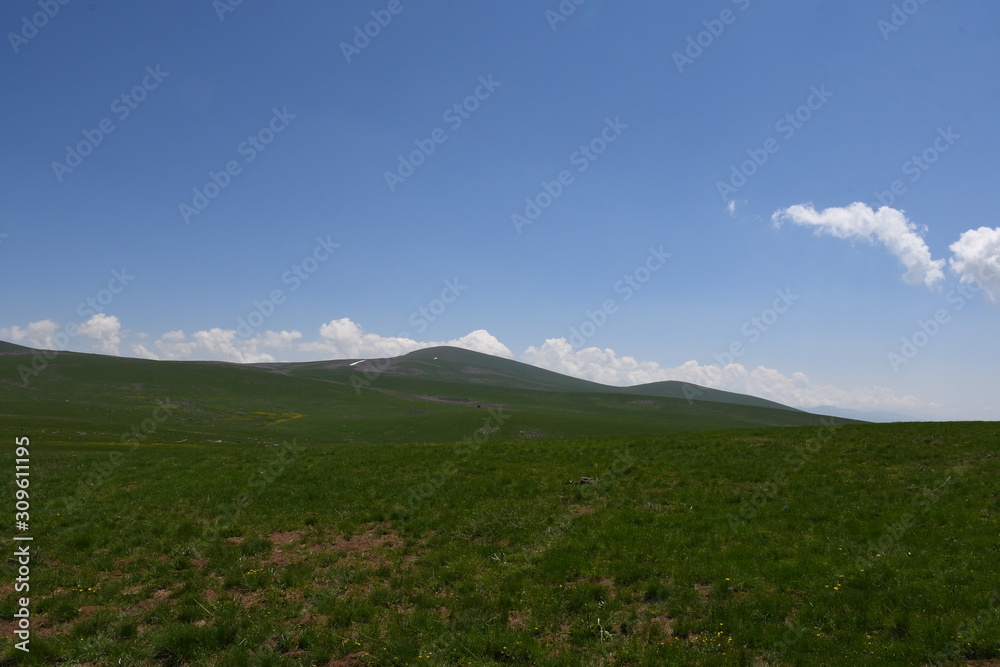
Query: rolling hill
435	394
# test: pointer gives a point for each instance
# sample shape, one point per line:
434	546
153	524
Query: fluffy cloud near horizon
103	330
337	339
887	226
216	344
606	367
37	334
976	260
345	339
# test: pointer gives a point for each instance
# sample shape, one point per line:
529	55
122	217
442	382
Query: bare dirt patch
559	638
517	620
247	600
381	536
40	627
141	607
350	661
371	548
660	625
282	538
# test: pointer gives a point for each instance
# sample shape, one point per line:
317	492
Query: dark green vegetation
365	539
414	398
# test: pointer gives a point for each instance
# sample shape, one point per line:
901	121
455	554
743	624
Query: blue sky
630	114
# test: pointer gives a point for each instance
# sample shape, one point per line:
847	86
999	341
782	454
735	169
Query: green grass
274	516
90	398
875	544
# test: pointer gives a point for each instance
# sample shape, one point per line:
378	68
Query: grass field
302	537
874	544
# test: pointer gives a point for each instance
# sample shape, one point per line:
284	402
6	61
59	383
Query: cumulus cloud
337	339
887	226
797	389
105	331
280	339
217	344
142	352
345	339
976	260
37	334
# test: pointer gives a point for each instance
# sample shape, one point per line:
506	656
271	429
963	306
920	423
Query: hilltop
434	394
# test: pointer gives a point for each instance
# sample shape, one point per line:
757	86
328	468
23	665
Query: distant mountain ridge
429	395
447	363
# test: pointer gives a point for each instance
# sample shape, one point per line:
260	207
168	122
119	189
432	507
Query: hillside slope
413	398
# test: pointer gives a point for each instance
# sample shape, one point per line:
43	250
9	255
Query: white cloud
338	339
796	390
345	339
217	344
280	339
732	207
887	226
142	352
105	331
37	334
592	363
483	341
976	260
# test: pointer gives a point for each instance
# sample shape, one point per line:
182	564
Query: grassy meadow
255	522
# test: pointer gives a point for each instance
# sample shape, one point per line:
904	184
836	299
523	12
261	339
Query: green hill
372	536
437	394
